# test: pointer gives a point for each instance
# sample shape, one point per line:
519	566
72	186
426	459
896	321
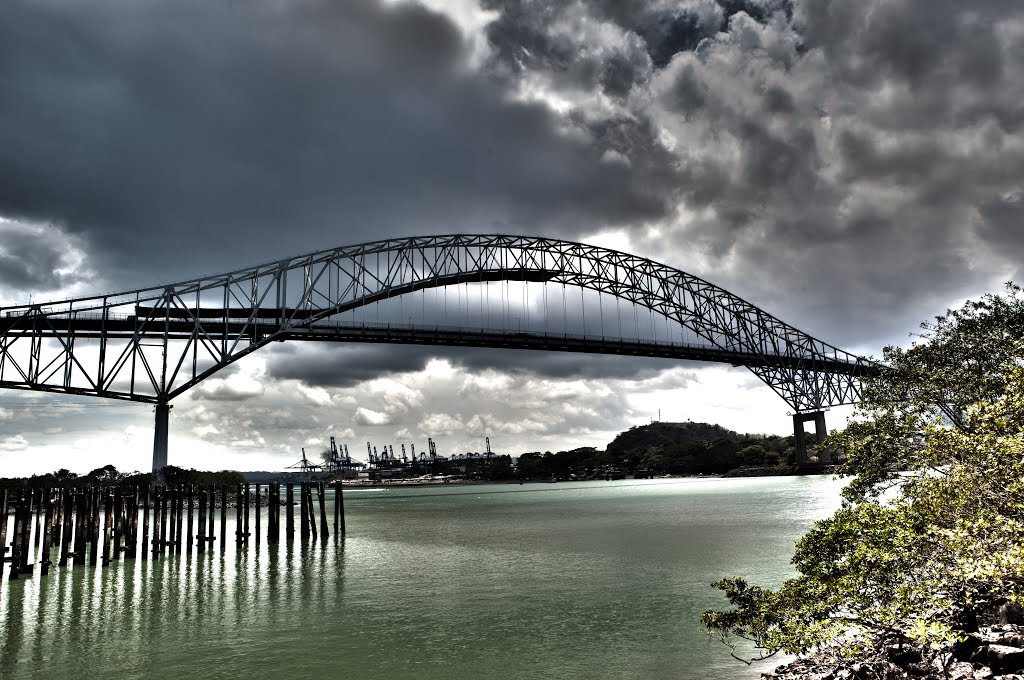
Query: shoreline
791	471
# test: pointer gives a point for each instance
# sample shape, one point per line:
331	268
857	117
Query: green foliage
931	534
173	475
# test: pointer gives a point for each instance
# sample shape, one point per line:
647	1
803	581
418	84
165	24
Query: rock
961	670
1011	613
902	655
1002	659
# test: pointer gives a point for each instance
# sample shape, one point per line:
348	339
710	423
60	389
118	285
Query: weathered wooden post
44	557
212	493
39	521
118	522
145	523
58	519
321	493
312	510
257	513
93	504
108	529
339	509
270	513
172	505
201	540
303	512
65	536
26	536
133	524
238	514
188	536
4	494
223	515
165	503
16	538
289	514
81	528
180	512
245	515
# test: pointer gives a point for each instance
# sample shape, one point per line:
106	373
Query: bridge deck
176	328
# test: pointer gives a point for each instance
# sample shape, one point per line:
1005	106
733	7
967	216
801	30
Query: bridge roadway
180	324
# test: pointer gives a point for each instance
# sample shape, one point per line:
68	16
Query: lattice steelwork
152	344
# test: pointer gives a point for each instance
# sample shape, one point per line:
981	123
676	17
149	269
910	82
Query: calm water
568	580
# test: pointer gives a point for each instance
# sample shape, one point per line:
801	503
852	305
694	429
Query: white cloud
15	442
364	416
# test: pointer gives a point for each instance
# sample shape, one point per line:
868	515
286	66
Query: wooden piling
274	512
303	512
311	510
180	518
165	503
81	528
212	493
339	509
117	525
26	535
257	513
201	524
238	514
245	513
39	520
223	516
289	515
93	502
108	510
44	556
145	523
172	522
65	535
188	536
155	541
55	538
132	546
321	493
4	495
16	538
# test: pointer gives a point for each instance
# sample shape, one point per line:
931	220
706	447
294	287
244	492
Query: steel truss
153	344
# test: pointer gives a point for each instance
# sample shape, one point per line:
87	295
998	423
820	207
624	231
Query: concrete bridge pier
163	411
800	436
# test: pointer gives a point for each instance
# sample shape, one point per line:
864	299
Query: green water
568	580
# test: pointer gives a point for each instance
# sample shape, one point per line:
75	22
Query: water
570	580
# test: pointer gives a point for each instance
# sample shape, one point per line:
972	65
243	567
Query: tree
931	533
107	474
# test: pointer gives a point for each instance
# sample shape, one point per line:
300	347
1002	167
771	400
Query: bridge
153	344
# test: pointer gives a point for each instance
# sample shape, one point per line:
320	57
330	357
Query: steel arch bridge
153	344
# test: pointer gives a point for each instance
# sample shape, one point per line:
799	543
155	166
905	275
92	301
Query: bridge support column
163	410
800	436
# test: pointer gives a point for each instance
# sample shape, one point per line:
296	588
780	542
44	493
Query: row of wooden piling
180	516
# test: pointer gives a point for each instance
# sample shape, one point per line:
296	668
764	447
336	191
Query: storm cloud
852	167
185	137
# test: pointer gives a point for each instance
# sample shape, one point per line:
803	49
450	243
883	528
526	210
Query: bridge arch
153	344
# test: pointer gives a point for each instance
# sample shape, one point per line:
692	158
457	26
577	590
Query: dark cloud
35	259
346	365
187	137
851	167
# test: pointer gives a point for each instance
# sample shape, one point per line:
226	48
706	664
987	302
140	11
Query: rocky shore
994	653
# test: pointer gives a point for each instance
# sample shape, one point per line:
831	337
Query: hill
658	434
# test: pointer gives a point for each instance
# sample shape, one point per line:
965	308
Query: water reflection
600	581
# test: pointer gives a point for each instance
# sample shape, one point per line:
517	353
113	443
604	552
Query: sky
853	168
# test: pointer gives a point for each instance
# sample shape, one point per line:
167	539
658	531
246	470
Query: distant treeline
664	448
655	449
716	456
108	475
